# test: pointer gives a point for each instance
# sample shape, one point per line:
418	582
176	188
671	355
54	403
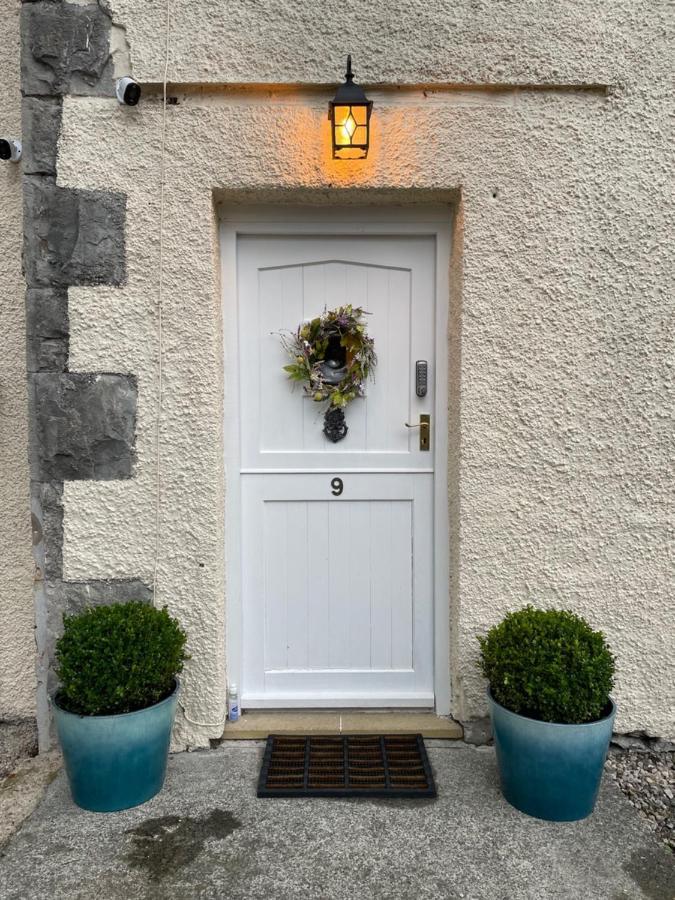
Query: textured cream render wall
564	478
17	648
473	41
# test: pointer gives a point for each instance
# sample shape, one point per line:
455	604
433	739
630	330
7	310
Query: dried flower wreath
333	357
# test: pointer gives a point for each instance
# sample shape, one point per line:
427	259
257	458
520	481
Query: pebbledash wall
17	647
547	127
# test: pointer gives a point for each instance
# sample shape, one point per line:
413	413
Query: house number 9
337	487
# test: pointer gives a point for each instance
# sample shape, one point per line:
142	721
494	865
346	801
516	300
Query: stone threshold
259	724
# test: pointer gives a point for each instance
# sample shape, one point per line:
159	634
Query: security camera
10	149
128	91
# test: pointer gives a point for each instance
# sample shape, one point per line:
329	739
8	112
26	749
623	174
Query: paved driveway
208	836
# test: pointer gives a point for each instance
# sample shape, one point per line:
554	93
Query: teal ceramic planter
549	770
114	762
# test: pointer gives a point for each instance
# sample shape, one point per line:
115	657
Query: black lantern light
349	114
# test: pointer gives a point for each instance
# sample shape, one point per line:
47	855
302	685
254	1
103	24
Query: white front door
337	543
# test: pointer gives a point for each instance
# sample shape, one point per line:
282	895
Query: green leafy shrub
549	665
116	659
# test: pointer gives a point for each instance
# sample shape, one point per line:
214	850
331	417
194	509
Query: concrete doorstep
206	835
258	725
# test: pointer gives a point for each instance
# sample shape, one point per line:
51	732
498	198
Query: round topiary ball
548	665
117	659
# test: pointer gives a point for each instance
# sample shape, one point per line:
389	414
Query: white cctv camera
10	149
128	91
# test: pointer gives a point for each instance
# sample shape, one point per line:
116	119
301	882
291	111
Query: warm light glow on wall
349	114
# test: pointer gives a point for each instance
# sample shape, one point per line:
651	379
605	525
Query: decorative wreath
333	357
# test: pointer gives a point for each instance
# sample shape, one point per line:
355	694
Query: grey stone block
627	742
47	521
41	125
478	731
46	329
65	49
81	595
84	426
50	231
72	237
642	743
99	255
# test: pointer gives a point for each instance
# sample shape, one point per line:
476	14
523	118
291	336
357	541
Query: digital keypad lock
421	377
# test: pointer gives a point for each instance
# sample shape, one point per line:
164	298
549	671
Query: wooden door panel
342	586
281	427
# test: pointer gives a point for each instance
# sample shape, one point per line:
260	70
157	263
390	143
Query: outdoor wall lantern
349	114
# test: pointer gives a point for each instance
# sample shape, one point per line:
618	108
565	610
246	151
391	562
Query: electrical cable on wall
160	301
160	346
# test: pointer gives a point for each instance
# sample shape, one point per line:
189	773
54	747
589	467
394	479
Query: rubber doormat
346	766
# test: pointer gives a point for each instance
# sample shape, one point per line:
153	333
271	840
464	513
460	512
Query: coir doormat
346	766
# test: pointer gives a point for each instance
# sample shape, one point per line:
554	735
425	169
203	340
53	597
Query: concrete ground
208	836
18	740
22	789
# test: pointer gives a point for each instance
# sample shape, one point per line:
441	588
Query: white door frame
381	221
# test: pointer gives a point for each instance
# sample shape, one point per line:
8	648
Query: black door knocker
334	424
333	369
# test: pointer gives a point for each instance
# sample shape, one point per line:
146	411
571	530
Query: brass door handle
424	426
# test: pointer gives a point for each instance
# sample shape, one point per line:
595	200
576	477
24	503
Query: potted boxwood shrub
118	667
549	676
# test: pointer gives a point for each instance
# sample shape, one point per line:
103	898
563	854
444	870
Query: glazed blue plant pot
549	770
115	762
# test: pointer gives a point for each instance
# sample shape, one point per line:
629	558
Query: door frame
433	221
